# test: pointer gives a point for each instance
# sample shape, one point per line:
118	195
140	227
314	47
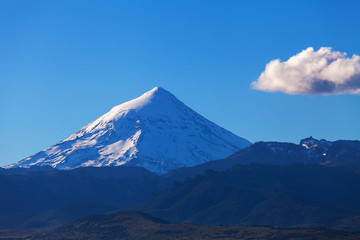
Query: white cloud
312	72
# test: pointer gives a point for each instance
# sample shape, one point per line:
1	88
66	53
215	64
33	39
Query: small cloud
312	72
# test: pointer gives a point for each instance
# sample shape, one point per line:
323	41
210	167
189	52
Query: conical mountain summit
155	131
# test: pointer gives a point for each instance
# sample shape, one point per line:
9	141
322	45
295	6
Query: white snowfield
155	131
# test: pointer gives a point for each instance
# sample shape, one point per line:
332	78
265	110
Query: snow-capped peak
157	99
312	143
155	131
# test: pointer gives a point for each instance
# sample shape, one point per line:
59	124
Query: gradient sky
65	63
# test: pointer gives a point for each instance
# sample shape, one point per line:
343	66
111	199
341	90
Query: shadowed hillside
136	225
49	198
279	196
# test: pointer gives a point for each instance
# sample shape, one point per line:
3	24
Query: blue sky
65	63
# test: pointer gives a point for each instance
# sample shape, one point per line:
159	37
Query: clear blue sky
65	63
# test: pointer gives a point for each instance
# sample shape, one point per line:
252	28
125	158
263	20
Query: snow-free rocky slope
155	131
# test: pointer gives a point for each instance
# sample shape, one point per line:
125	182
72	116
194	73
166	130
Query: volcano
155	131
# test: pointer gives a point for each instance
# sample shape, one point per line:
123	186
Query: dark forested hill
50	197
280	196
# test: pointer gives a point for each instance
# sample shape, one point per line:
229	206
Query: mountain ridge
308	151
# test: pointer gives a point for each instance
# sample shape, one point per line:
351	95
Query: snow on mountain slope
155	131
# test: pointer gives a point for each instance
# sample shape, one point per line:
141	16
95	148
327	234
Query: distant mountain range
155	131
308	151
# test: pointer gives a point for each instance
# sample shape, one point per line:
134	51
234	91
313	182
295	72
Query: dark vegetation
136	225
